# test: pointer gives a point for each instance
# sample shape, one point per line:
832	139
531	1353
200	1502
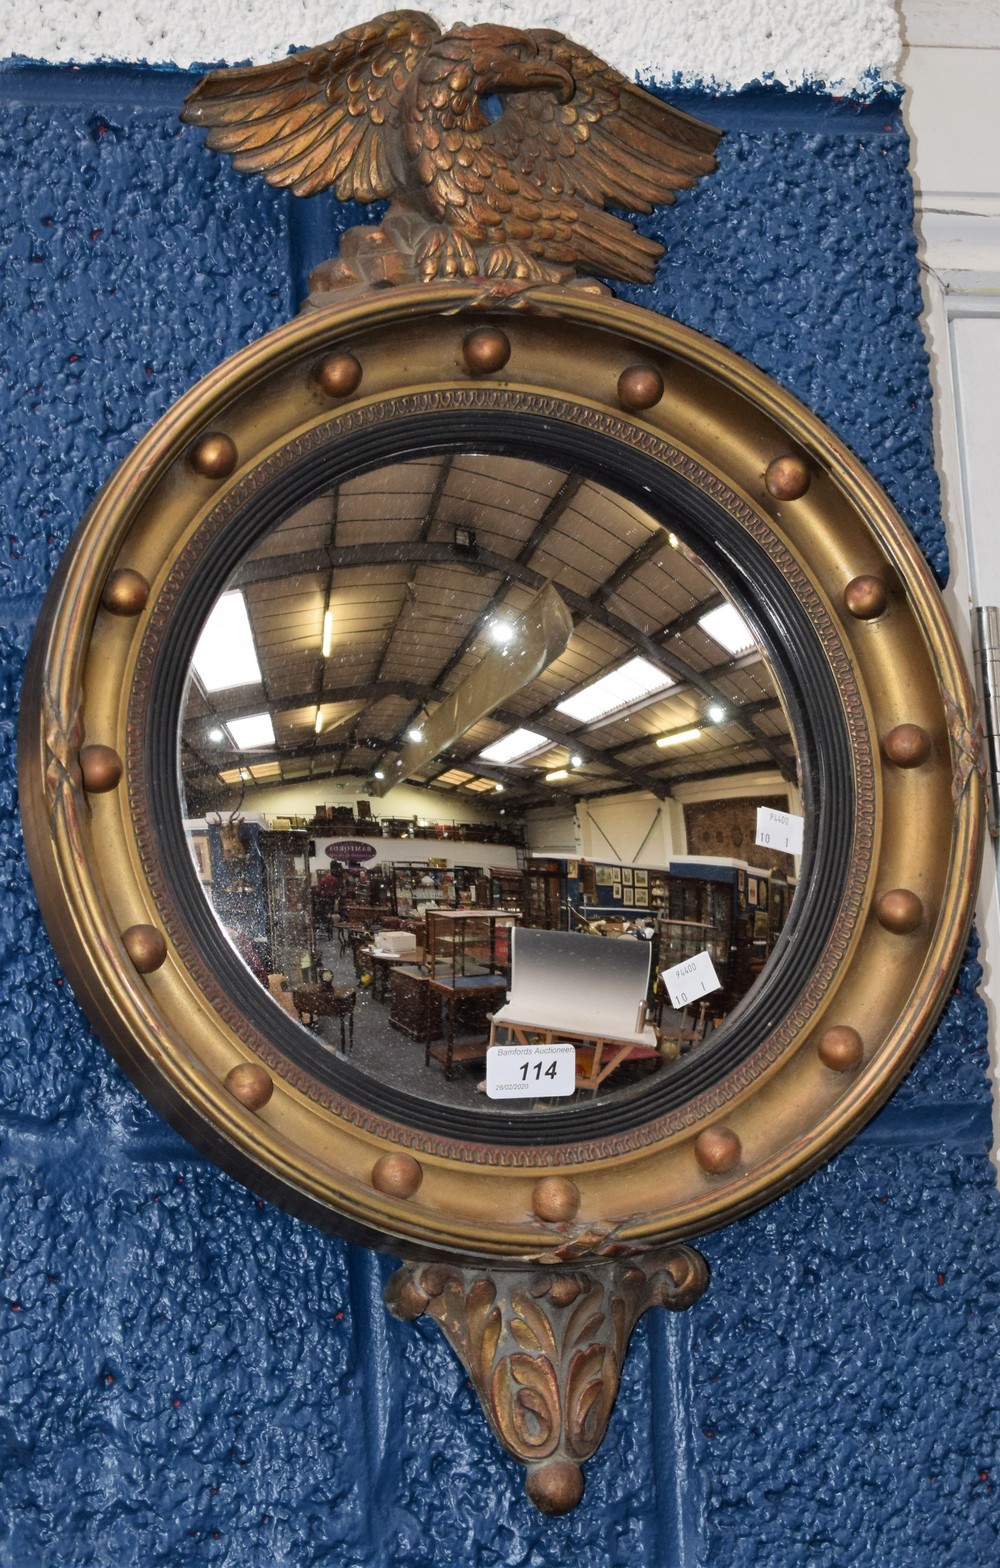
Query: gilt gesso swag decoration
378	488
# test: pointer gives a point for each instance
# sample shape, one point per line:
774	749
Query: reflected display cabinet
467	958
415	884
285	855
506	889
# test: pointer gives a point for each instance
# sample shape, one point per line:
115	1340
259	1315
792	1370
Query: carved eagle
500	148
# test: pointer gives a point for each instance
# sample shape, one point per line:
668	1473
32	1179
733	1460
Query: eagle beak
532	75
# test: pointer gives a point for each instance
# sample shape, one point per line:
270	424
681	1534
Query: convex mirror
505	638
401	473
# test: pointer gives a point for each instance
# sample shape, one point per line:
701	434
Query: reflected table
383	961
467	1002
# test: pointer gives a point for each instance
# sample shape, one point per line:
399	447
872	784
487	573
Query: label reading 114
519	1072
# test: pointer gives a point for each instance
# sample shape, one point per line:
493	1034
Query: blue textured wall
190	1377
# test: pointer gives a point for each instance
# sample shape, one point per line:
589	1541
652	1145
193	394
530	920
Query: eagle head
507	60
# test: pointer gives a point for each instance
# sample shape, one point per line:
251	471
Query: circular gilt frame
574	368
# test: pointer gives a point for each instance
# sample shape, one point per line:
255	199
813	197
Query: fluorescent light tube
679	738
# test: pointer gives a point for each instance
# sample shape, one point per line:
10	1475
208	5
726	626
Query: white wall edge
958	238
843	46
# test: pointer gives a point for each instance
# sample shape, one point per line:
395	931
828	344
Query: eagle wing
326	117
551	167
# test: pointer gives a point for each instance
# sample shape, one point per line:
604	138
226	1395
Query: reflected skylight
620	688
225	656
251	733
727	627
512	747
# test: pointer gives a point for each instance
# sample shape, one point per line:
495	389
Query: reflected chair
673	1040
313	1002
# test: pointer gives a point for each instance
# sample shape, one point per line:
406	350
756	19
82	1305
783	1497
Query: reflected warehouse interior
474	747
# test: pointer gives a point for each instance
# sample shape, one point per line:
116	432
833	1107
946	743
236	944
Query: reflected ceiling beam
280	568
683	623
700	776
658	541
552	514
370	691
719	766
436	496
640	778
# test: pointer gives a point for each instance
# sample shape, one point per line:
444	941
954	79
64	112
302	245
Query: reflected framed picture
627	876
751	890
604	876
202	857
642	879
616	889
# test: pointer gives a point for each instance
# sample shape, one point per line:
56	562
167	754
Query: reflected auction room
478	751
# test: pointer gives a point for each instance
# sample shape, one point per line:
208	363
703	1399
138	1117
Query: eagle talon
511	261
444	253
